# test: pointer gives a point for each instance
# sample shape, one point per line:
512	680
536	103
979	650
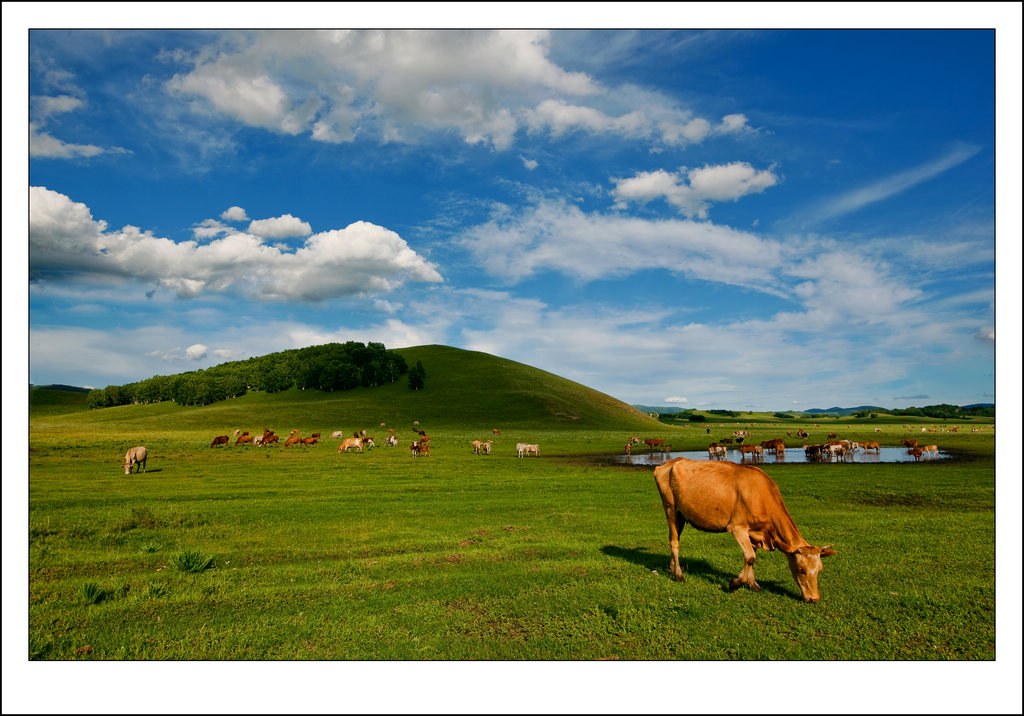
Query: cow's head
127	468
805	564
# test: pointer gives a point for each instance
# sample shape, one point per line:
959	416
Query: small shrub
191	561
149	548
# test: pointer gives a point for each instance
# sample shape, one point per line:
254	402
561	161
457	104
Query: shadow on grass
700	568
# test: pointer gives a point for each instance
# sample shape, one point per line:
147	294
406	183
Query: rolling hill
462	388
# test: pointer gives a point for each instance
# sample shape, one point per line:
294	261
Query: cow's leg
742	536
675	526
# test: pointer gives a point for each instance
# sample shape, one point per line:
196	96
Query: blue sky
743	219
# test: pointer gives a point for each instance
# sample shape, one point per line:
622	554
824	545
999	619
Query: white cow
349	443
136	456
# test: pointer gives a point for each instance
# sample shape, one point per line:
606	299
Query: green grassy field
315	555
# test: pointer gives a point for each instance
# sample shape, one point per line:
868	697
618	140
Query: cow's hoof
755	587
735	583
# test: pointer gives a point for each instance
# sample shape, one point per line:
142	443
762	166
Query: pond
792	456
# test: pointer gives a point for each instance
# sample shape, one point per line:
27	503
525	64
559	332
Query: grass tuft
191	561
92	593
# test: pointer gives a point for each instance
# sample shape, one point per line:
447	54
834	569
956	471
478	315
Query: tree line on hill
942	411
329	367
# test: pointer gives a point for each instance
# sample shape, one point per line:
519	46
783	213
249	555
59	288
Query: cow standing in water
743	501
135	457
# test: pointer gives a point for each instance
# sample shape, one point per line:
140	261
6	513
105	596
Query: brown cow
219	440
243	438
311	440
916	452
912	443
293	440
743	501
651	442
870	445
931	448
268	439
755	450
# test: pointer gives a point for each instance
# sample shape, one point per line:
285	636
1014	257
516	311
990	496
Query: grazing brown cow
776	446
311	440
293	440
268	439
495	431
219	440
832	436
870	445
912	443
651	442
916	452
135	457
350	443
243	439
743	501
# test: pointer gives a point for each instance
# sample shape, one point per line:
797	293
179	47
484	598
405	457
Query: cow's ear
827	551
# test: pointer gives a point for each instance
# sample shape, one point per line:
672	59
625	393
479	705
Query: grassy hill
56	399
462	388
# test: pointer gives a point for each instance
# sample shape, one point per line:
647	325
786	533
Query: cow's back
710	495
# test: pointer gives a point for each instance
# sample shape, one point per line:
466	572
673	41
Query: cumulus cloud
530	164
337	84
281	227
692	190
196	352
359	259
234	213
398	85
676	399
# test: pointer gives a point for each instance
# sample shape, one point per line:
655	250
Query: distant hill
56	399
844	412
461	388
69	388
659	409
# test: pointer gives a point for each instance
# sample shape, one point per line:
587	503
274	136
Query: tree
416	376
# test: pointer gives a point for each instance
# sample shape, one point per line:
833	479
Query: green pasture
305	553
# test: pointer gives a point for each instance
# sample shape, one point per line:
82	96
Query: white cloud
556	236
43	145
530	164
208	228
676	399
281	227
234	213
361	258
196	352
46	106
692	190
337	84
397	85
558	117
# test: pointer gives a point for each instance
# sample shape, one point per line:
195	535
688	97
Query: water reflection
790	456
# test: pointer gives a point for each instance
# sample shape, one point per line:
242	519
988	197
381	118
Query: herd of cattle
360	440
833	449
